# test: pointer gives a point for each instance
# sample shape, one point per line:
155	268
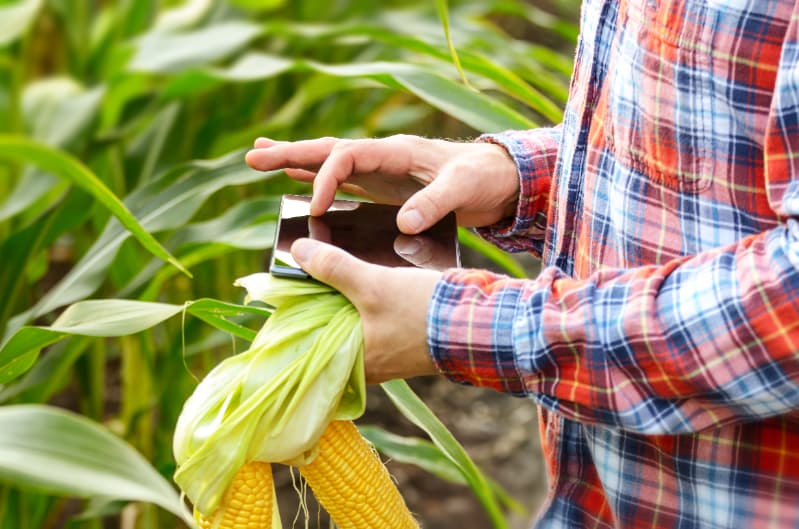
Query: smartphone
364	229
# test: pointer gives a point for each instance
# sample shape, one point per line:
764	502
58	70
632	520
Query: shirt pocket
658	92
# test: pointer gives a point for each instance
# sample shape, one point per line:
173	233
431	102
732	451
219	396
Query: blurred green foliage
155	103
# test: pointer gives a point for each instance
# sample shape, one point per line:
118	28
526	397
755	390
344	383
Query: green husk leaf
273	402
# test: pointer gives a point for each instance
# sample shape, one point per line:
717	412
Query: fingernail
408	246
304	250
412	219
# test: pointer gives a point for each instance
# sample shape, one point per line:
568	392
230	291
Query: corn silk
273	402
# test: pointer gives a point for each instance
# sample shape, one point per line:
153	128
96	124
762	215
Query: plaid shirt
661	340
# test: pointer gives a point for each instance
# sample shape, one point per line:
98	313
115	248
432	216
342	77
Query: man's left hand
392	302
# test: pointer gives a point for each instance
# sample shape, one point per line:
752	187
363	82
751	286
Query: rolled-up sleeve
535	153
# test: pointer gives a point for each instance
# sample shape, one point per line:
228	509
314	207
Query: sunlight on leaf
16	19
46	448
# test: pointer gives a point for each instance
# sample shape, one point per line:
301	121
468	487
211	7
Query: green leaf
183	16
58	452
427	456
56	111
16	19
413	451
48	375
471	240
248	225
165	203
251	67
163	52
258	5
483	113
20	249
443	14
58	162
416	411
473	108
472	60
112	317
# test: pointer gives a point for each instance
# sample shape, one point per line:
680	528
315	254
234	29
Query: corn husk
273	402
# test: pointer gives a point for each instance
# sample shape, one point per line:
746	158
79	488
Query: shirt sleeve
695	343
535	153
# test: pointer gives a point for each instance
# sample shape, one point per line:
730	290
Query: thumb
329	265
427	206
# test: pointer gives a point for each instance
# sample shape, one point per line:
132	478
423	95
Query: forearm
664	349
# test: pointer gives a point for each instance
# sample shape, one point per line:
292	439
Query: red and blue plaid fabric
661	340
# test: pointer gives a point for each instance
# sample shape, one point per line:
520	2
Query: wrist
508	174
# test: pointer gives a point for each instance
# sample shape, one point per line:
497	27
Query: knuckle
429	201
406	140
329	264
370	298
341	147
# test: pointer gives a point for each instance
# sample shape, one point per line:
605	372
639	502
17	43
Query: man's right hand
429	178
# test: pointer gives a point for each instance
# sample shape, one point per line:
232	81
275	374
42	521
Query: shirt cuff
470	329
534	152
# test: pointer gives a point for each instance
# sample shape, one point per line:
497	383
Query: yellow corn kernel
352	484
247	503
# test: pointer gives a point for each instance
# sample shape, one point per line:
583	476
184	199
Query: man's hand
392	303
430	178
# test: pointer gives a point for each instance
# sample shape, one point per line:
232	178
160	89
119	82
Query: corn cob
352	484
247	503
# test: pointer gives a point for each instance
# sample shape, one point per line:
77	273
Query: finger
330	265
390	156
305	154
356	190
429	205
263	143
301	175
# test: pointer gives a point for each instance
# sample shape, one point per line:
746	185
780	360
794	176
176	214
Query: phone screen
366	230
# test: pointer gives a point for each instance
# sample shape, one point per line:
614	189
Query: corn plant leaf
473	108
443	13
49	449
427	456
416	411
250	67
471	240
111	317
258	5
24	150
21	248
183	16
15	19
56	111
48	375
248	225
413	451
167	52
167	202
470	60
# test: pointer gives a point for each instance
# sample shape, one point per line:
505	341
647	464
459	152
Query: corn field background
126	212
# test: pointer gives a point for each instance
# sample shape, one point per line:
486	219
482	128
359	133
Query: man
661	341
